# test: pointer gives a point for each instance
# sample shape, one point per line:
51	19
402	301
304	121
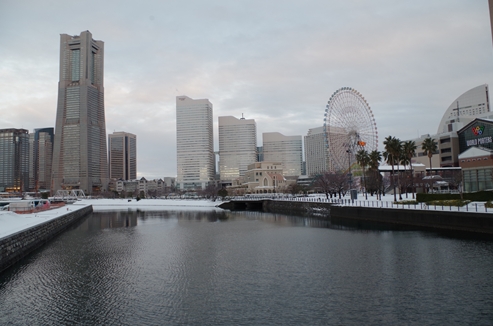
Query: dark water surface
245	268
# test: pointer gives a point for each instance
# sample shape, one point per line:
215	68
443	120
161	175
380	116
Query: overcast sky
277	62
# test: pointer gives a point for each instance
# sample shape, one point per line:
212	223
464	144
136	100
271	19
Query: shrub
450	202
471	196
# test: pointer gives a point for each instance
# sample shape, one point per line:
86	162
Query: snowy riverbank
150	204
11	222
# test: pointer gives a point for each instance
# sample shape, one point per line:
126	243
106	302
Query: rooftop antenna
458	118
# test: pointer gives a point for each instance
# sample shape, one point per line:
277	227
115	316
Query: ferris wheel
349	125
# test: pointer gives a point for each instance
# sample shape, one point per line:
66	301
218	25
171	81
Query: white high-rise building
316	157
237	146
194	143
472	104
285	149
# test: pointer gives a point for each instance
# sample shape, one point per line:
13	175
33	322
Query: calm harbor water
247	268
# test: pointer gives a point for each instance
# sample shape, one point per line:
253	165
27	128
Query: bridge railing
474	207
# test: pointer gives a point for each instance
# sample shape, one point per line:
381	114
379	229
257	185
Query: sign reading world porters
479	141
478	132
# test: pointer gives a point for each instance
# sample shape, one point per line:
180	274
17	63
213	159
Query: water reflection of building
109	220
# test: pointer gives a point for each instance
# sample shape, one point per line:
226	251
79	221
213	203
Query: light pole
349	169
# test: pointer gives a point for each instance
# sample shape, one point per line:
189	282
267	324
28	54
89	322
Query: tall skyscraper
122	155
285	149
79	158
237	146
14	160
194	143
40	158
316	156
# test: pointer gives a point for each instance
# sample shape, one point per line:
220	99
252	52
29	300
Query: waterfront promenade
387	201
11	222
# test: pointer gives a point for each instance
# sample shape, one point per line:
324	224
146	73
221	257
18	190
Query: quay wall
426	219
430	219
20	244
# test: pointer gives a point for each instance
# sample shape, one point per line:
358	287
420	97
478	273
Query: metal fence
471	207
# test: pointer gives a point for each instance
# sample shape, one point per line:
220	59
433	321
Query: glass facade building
316	155
237	146
40	158
194	143
14	160
80	155
288	150
122	155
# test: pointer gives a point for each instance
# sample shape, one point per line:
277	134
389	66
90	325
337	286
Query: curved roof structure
472	104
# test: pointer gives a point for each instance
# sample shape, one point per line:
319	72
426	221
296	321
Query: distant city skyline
275	64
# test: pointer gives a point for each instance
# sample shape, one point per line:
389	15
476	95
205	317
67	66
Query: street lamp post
349	169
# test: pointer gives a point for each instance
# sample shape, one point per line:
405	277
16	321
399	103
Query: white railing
478	207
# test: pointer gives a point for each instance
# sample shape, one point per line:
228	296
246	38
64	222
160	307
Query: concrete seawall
16	246
438	220
481	223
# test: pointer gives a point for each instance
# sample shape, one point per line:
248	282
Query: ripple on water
142	268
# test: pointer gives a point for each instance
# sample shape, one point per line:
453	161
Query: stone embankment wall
315	209
429	219
18	245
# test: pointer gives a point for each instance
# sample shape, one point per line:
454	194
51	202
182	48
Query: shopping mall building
464	139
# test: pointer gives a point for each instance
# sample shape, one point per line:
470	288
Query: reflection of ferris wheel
349	126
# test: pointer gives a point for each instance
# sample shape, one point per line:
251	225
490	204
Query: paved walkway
386	202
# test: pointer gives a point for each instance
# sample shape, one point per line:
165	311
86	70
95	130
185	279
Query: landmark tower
79	155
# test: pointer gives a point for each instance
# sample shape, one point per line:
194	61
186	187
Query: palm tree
363	160
409	150
391	155
404	160
429	148
374	162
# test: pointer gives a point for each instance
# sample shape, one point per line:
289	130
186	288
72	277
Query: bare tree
210	191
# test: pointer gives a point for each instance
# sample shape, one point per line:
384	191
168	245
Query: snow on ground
11	222
150	204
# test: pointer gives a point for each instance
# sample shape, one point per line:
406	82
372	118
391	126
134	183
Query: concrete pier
17	245
470	222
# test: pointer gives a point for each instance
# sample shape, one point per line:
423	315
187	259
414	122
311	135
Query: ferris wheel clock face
349	126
